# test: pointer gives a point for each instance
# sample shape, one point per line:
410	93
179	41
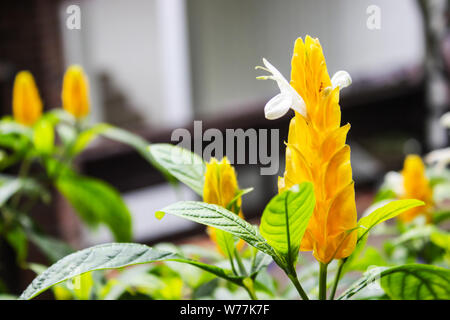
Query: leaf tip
159	214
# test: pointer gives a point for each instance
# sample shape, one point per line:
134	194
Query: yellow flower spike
316	152
26	102
75	92
416	186
220	188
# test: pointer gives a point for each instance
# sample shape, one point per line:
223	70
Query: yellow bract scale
75	92
26	102
416	186
316	152
221	187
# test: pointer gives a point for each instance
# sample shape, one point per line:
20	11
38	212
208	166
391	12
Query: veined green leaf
111	256
406	282
180	163
285	219
97	202
386	212
220	218
369	277
416	282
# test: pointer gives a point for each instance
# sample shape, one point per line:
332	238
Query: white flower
394	181
445	120
341	79
288	97
279	105
440	158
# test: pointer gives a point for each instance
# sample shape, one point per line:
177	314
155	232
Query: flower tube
221	188
75	92
26	102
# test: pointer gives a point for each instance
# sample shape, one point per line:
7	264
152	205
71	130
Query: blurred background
157	65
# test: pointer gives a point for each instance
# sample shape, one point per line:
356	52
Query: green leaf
416	282
111	256
8	187
285	219
260	261
53	248
12	127
113	133
97	202
441	216
85	137
386	212
225	241
83	285
44	136
441	239
17	238
406	282
220	218
180	163
369	277
384	194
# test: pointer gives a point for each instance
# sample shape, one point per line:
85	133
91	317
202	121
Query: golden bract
75	92
316	152
220	188
26	102
416	186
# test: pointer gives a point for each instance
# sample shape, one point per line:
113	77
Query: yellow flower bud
416	186
26	102
220	188
75	92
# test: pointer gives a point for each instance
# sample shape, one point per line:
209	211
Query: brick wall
30	40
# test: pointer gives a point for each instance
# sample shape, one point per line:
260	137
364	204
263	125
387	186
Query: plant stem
323	281
336	278
249	287
298	286
23	172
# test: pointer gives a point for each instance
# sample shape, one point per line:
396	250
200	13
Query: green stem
249	287
23	172
298	286
336	278
323	281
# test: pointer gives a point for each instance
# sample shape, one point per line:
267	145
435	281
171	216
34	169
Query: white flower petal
341	79
298	104
278	106
440	158
394	181
445	120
